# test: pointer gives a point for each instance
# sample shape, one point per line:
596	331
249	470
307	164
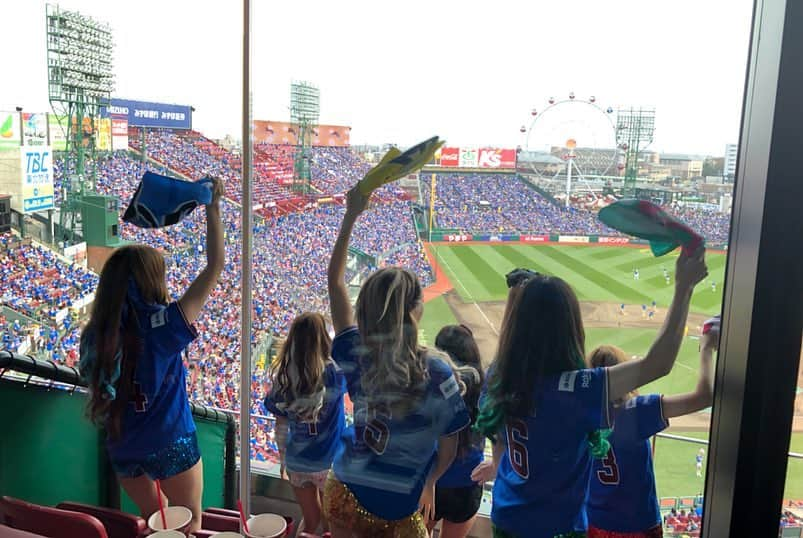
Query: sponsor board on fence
614	240
496	158
573	239
36	167
450	157
76	253
10	132
534	238
457	237
57	128
282	132
34	129
145	114
468	158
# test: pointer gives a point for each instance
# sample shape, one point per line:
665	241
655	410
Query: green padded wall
49	452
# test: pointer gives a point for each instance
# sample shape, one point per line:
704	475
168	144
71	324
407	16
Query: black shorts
457	504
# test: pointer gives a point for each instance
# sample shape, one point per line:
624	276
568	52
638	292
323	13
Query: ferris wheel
572	139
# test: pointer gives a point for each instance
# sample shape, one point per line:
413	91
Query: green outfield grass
596	273
436	314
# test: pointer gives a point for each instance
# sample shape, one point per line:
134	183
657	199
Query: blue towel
163	201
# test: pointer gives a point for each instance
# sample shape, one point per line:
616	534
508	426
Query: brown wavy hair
394	371
298	372
111	332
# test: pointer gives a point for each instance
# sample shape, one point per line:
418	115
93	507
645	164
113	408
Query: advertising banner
534	238
34	129
36	165
573	239
145	114
450	156
57	128
614	240
76	254
103	132
457	237
119	127
282	132
468	158
10	135
496	158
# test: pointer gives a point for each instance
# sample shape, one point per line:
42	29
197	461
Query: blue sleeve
590	388
447	404
271	402
335	379
168	330
345	353
640	418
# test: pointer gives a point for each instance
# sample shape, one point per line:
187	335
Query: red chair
223	512
219	523
308	535
49	522
118	524
8	532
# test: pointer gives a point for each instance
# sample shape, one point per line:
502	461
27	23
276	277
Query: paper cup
266	526
178	518
167	534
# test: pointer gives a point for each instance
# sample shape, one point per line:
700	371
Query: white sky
399	72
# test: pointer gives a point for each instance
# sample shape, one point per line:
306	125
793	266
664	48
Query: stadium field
600	273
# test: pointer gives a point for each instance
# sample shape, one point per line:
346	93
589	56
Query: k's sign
144	114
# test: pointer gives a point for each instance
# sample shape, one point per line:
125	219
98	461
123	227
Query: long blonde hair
298	372
147	267
394	370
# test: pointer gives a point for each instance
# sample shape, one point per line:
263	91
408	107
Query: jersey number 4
517	437
609	474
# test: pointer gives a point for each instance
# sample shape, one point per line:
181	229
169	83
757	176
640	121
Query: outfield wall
456	237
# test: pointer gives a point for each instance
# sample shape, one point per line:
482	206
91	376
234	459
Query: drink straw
161	504
242	515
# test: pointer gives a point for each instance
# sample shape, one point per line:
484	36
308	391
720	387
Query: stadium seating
117	524
50	522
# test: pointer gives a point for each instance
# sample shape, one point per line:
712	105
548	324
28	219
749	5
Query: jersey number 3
609	474
517	448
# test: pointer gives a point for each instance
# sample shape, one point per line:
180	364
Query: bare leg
310	503
142	491
456	530
186	489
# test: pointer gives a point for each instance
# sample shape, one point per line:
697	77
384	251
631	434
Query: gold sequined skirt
343	510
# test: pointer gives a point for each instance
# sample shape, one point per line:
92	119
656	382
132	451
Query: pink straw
161	505
242	515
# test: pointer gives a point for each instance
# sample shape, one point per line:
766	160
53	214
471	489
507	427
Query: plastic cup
266	526
167	534
178	518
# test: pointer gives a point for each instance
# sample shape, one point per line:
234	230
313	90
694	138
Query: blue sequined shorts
175	458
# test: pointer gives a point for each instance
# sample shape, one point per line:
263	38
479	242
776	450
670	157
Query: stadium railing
50	452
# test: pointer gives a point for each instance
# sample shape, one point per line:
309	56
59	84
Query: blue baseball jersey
385	459
458	475
541	485
622	496
158	411
311	446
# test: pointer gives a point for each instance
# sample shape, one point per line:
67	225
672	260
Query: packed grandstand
293	237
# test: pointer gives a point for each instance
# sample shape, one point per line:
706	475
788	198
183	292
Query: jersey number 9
517	449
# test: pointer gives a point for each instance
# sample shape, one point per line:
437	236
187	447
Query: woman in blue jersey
407	403
622	501
548	413
131	359
457	495
306	398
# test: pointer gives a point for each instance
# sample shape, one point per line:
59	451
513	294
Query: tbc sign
36	165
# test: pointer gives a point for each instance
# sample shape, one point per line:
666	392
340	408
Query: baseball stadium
89	169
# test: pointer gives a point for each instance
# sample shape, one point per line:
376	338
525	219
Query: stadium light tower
305	110
634	132
80	82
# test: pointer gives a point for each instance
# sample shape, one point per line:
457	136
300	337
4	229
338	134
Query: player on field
548	414
699	463
307	400
623	502
131	358
408	406
457	495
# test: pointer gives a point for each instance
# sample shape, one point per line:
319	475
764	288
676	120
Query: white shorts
300	480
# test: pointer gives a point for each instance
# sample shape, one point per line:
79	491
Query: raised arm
702	396
658	362
196	295
342	315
